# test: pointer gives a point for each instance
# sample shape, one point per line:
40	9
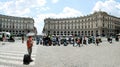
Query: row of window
89	33
16	20
78	26
72	32
71	26
111	19
14	32
79	32
18	26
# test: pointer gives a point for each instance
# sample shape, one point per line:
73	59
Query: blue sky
41	9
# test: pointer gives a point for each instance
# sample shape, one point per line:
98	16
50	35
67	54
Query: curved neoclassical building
98	23
16	25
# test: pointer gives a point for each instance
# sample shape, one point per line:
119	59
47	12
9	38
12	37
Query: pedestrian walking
73	40
41	41
3	39
29	46
111	39
116	38
83	40
78	42
57	40
65	42
49	41
37	40
97	41
22	39
44	40
86	40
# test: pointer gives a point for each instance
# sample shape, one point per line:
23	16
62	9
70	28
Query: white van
6	34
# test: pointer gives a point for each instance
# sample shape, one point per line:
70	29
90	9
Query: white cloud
67	12
110	6
20	7
70	12
55	1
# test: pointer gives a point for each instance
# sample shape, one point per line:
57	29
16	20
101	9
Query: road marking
16	62
15	57
15	54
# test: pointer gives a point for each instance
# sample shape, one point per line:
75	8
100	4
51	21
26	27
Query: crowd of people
75	41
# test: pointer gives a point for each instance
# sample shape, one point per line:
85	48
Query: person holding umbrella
29	46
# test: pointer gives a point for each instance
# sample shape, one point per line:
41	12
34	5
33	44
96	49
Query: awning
30	34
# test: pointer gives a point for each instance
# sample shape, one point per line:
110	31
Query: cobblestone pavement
11	54
104	55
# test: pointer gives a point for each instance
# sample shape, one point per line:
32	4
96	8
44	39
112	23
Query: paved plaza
104	55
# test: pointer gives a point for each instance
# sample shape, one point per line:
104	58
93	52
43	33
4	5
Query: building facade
16	25
98	23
